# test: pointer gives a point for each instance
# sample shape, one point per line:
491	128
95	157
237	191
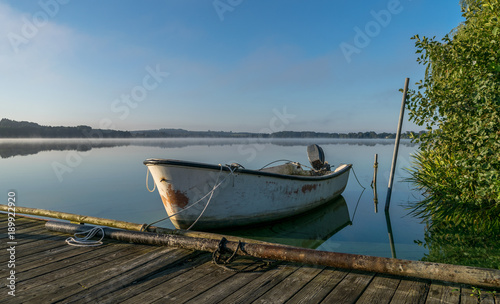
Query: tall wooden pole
396	146
374	183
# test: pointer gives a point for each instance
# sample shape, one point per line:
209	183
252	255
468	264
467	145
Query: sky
229	65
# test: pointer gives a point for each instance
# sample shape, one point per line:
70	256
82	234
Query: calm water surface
108	179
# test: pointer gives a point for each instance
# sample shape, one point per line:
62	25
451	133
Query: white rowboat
216	196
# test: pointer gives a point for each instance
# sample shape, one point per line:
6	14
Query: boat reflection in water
307	230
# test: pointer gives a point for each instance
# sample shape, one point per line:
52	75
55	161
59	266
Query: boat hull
235	196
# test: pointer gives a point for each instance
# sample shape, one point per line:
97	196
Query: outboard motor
317	158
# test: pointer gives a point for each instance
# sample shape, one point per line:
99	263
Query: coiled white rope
86	241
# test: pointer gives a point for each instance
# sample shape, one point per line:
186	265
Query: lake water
107	178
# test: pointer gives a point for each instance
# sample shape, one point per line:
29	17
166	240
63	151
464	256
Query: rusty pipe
425	270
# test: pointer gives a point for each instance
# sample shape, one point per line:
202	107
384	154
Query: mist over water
107	178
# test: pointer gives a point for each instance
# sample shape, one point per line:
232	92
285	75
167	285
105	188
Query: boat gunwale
182	163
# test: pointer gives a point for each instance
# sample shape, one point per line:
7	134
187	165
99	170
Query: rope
85	241
223	263
352	167
295	163
279	160
217	255
231	169
355	209
375	167
210	198
359	199
147	181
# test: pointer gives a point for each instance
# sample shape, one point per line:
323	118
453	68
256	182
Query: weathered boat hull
241	197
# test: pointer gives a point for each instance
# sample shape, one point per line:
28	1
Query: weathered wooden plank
228	287
254	289
488	298
283	291
28	252
141	287
411	291
380	290
316	290
440	292
54	255
124	275
35	274
19	227
165	289
53	272
212	279
350	288
19	223
69	280
22	233
32	252
467	296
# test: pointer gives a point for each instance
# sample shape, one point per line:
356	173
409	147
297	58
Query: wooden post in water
374	183
396	146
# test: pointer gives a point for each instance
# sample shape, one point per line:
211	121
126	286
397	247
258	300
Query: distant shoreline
31	130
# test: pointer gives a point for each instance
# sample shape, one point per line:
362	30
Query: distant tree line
24	129
360	135
185	133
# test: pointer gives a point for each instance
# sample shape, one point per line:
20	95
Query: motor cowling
316	157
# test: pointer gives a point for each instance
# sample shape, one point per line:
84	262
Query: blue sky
232	65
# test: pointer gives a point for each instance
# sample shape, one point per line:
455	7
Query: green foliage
458	162
459	243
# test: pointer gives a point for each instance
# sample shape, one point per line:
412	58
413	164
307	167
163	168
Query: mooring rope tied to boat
357	203
352	167
86	240
147	181
216	185
211	194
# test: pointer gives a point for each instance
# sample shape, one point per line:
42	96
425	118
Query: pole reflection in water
389	231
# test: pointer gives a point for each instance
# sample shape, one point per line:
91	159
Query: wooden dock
47	270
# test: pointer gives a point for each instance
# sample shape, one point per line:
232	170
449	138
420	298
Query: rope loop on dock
256	264
217	255
86	241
